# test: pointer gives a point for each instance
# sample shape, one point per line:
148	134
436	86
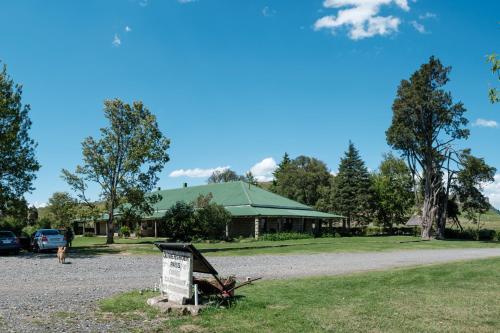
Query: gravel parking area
35	290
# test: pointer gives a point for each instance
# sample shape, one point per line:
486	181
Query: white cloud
427	15
492	191
418	26
267	11
128	29
485	123
196	172
361	17
116	41
263	171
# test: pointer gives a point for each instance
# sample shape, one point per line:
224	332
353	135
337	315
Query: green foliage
45	223
138	230
300	179
468	186
473	234
178	222
283	236
425	123
12	224
352	192
17	150
201	219
32	215
224	176
88	234
393	185
125	231
29	230
494	93
125	161
62	208
211	219
250	179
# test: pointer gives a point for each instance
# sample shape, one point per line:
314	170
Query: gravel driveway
35	287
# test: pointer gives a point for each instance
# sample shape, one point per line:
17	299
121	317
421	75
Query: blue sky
237	82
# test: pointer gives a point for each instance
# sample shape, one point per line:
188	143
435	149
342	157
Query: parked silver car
9	242
47	239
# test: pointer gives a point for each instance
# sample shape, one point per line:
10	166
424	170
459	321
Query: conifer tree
352	193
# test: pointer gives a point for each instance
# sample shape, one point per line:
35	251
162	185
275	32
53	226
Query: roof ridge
246	193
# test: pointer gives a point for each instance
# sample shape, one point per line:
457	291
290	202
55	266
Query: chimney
185	185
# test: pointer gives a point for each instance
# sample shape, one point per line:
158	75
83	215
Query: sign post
177	277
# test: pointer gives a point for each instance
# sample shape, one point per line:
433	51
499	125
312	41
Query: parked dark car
9	243
47	239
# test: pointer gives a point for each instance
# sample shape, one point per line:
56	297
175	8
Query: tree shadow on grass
92	251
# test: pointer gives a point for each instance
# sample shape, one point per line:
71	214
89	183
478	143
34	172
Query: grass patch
141	246
456	297
131	305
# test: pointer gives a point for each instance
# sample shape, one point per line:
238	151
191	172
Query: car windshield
6	234
50	232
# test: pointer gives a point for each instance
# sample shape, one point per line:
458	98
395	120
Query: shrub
29	230
125	231
88	234
12	224
211	221
282	236
201	220
487	235
178	222
471	234
138	230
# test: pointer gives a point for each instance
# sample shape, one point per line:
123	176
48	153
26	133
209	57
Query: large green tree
18	164
393	185
124	162
224	176
425	123
62	208
301	178
469	183
352	191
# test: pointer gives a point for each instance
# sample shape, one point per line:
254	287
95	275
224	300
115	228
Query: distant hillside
265	185
494	210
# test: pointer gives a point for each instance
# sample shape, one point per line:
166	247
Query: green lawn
455	297
96	245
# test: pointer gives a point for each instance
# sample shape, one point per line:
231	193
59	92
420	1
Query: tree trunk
427	218
109	225
442	216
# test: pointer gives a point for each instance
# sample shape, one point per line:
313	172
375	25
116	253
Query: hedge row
468	234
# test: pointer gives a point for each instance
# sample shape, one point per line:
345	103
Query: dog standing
61	254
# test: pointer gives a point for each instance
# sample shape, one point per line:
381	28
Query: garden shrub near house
282	236
125	231
202	219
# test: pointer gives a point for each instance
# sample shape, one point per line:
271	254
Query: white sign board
177	278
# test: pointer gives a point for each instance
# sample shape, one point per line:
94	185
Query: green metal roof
240	199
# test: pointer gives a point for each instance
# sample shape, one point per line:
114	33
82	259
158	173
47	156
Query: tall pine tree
352	192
